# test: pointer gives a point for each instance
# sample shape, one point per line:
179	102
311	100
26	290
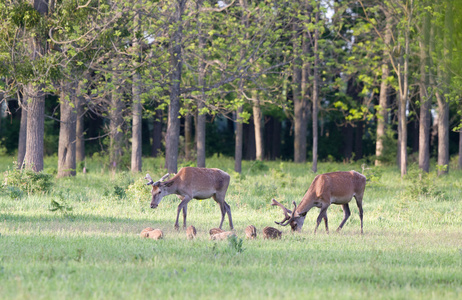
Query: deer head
290	217
158	191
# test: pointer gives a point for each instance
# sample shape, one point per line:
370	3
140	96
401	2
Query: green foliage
55	206
27	181
422	185
138	191
24	15
258	166
235	244
390	148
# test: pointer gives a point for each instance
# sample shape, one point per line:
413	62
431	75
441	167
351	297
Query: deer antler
164	177
284	210
149	179
151	182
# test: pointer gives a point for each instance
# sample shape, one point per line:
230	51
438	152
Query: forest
372	81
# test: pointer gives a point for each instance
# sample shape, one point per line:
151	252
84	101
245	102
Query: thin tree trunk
22	134
404	93
176	64
188	137
201	117
67	131
382	113
200	136
443	104
115	125
239	132
80	126
314	168
460	149
137	107
239	141
425	99
300	95
137	112
157	134
258	125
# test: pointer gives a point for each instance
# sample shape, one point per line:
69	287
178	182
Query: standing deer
326	189
189	183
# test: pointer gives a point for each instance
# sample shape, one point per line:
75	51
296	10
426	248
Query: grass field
90	247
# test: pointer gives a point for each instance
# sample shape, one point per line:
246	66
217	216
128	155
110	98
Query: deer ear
296	215
169	183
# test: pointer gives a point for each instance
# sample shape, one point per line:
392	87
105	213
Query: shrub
138	190
26	181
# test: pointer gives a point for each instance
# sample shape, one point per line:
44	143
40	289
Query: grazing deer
193	183
326	189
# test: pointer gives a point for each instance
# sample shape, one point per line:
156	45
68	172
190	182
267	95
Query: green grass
91	249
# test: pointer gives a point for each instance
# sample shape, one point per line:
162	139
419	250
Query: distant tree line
308	80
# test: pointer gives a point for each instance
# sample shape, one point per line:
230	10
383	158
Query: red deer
193	183
326	189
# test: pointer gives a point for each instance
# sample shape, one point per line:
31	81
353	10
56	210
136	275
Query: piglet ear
149	179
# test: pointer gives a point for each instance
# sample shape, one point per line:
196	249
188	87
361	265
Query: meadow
80	240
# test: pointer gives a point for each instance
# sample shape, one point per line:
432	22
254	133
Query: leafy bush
27	181
422	185
138	190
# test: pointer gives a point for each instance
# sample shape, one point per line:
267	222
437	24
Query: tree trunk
137	111
347	133
443	103
258	125
460	149
67	131
157	134
36	103
382	113
404	91
425	99
249	150
115	125
200	136
137	107
358	144
176	64
188	143
35	127
239	140
300	95
22	134
80	126
314	168
201	116
239	132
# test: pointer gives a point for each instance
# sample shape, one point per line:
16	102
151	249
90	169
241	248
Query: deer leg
225	209
183	204
185	208
322	215
228	211
359	202
346	215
